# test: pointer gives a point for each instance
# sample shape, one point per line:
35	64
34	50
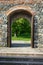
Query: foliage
21	27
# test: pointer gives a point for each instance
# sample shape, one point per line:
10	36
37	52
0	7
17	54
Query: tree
21	27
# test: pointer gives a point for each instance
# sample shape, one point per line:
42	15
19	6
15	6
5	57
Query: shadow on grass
20	45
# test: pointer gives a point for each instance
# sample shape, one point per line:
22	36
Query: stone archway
17	10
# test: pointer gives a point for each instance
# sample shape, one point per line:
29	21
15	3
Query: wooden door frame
9	32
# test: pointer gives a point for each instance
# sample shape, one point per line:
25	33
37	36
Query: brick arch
14	10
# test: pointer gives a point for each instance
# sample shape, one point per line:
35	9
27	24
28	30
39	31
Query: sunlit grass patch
21	38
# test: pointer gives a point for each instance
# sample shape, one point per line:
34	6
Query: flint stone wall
35	5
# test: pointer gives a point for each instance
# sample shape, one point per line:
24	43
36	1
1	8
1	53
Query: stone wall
35	5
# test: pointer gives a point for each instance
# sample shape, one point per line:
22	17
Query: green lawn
21	38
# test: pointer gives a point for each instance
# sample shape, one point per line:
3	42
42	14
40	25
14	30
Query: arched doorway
15	14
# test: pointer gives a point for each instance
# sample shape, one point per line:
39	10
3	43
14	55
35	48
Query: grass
21	38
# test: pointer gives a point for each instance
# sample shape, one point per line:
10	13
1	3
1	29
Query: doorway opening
20	27
20	32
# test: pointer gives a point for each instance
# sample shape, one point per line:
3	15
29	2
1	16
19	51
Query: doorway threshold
24	51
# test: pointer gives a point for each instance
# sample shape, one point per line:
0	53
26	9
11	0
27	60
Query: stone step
36	59
21	60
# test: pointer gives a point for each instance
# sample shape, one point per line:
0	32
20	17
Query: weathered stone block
0	39
1	21
3	44
0	26
4	34
4	28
